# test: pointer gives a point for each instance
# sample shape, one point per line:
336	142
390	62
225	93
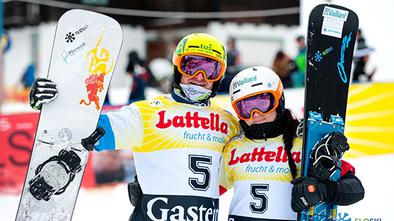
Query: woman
257	163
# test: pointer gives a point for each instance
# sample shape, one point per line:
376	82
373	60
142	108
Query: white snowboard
84	54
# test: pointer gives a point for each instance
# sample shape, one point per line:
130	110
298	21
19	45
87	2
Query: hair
300	38
279	55
290	124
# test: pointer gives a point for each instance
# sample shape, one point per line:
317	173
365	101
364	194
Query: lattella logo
194	120
261	154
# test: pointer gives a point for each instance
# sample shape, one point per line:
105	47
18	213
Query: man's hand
307	192
42	92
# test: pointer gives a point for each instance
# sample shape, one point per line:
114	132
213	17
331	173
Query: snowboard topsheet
84	53
331	38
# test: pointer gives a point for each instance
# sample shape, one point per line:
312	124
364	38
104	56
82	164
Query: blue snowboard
330	43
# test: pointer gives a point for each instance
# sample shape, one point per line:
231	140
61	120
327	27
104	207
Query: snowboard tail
85	50
330	43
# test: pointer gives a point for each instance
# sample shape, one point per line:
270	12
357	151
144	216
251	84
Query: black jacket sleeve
346	191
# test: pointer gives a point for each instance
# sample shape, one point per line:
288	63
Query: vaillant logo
335	13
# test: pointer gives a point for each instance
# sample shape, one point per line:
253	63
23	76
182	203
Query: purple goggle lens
261	102
190	64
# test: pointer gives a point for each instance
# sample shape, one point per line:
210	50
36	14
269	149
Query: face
300	43
230	44
197	80
258	118
366	58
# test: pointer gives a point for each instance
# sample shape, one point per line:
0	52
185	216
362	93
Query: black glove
135	192
43	91
326	155
307	192
88	142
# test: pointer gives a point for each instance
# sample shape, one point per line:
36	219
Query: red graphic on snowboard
99	61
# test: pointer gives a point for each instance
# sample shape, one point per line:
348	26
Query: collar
263	130
178	97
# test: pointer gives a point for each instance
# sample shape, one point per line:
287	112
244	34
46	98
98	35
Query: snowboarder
266	180
177	139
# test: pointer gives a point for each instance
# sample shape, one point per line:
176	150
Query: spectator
298	78
136	69
283	66
161	69
233	62
28	76
360	40
233	56
361	58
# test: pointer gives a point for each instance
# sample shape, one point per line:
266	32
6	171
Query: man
177	139
361	58
298	77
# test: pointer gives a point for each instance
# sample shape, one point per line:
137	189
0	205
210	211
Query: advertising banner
17	132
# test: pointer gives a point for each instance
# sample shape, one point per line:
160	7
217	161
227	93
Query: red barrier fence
17	132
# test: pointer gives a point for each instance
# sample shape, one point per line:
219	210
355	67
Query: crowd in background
158	73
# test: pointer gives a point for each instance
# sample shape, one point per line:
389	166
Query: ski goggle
191	65
263	103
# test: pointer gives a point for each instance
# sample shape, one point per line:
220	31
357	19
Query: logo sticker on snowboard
333	21
99	62
69	37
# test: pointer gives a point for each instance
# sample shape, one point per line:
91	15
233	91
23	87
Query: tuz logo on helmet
179	212
262	155
206	47
193	120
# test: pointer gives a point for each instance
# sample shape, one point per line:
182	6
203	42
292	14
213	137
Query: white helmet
256	80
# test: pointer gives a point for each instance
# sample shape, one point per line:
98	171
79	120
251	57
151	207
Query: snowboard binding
326	155
54	175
